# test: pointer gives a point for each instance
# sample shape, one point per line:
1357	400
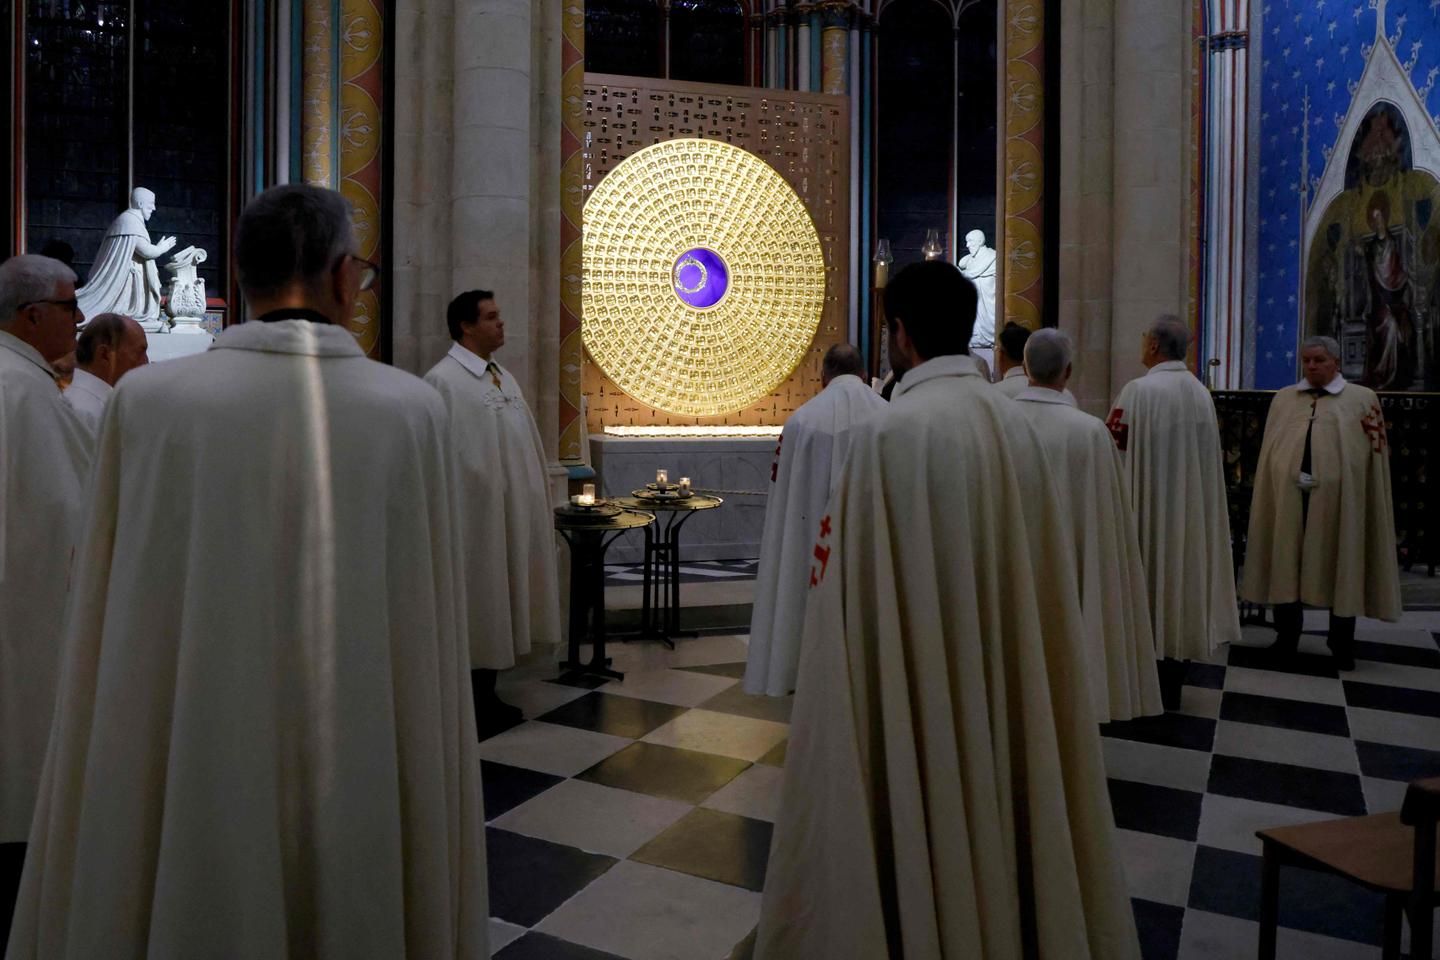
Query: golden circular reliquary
704	278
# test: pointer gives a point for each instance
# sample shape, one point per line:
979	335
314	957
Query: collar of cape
296	334
88	382
951	365
1046	395
19	347
472	361
1333	387
1169	366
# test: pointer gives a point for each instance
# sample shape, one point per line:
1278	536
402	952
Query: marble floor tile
1158	925
715	845
503	934
1162	766
668	915
1212	936
1397	763
1167	730
1229	823
1280	712
529	877
735	670
743	738
1375	696
660	771
535	697
1396	675
593	817
539	946
1282	745
1313	660
1200	702
551	748
755	793
1383	796
1288	686
1157	868
679	687
735	700
1402	729
1286	784
1161	811
506	787
776	755
603	712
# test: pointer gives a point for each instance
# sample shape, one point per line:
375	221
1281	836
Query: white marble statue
186	304
979	266
124	278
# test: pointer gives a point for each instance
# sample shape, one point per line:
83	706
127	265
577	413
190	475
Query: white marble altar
186	303
124	278
735	468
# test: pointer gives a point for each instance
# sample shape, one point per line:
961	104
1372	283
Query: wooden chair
1390	853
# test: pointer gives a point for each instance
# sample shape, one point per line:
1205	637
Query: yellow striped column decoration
362	86
572	173
1024	163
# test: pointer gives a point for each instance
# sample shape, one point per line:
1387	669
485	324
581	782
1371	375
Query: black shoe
1285	644
1344	658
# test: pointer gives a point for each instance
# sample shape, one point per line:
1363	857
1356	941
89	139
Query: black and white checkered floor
700	571
633	819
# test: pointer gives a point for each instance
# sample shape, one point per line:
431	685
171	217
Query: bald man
109	347
1169	440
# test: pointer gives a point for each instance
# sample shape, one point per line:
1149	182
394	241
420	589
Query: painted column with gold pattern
573	157
362	89
1023	161
837	16
317	92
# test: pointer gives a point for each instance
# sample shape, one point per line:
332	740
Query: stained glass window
623	36
707	41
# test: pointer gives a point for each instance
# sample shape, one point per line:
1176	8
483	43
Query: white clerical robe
87	396
944	793
1341	555
264	742
1086	468
44	458
506	520
1169	440
1013	382
807	464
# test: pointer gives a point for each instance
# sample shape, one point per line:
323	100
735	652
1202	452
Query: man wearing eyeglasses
44	456
264	745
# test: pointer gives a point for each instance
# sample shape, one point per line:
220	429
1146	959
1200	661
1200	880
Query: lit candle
662	477
684	486
588	491
575	499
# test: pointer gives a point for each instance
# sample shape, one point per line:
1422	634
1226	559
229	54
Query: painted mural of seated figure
1390	359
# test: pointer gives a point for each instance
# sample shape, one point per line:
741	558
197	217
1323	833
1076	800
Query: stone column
836	15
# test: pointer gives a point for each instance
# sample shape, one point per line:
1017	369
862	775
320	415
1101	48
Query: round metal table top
627	519
697	501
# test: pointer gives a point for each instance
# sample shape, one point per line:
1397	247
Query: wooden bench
1390	853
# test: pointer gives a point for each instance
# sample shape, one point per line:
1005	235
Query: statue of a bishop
124	278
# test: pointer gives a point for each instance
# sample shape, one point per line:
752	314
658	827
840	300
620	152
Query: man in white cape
807	464
109	347
124	278
506	521
44	458
1011	359
262	744
1165	428
944	794
1322	526
1086	469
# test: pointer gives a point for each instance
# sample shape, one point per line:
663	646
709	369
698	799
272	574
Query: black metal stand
587	598
660	601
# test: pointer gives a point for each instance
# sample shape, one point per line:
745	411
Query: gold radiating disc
704	278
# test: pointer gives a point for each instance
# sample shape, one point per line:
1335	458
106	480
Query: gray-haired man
264	721
1322	529
44	455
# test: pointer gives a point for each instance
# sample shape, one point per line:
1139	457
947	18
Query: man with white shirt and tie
1322	526
110	346
505	517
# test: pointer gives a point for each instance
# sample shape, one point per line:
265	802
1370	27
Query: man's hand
167	244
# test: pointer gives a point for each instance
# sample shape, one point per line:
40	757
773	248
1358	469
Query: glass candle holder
684	486
662	476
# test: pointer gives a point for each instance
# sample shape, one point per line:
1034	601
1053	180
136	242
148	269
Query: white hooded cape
1169	440
44	457
807	464
506	523
944	792
1086	470
264	741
